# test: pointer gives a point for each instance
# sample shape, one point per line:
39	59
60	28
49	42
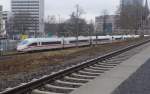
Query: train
35	44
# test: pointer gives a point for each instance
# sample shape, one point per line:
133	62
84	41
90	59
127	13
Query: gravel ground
138	83
25	76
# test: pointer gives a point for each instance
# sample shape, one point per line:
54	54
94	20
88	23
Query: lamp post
35	27
58	26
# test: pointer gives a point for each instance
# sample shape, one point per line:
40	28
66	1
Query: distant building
1	19
105	25
2	25
139	10
131	2
7	23
5	15
34	12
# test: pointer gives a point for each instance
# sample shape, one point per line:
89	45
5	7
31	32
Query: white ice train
33	44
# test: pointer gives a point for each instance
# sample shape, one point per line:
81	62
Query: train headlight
20	48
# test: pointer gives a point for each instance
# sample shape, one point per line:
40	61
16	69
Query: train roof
74	38
42	39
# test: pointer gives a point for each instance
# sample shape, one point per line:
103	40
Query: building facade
30	17
106	25
131	2
1	17
2	24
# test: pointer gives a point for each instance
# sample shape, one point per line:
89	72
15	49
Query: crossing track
65	81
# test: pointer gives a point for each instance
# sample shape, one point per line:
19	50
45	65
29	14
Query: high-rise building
31	14
2	23
1	17
130	2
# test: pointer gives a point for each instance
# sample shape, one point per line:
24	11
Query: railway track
67	80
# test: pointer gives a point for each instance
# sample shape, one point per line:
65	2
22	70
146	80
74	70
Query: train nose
20	48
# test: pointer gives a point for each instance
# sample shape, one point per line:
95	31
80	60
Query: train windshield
23	42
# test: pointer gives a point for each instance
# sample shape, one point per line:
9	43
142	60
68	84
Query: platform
108	82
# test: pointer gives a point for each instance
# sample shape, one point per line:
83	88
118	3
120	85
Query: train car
33	44
81	41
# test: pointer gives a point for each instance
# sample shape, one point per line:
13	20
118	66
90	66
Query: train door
39	44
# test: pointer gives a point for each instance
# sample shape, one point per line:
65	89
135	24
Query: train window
23	42
118	38
100	39
75	41
83	40
33	44
48	43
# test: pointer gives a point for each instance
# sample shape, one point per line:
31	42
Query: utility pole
77	24
91	30
78	13
58	28
35	32
105	14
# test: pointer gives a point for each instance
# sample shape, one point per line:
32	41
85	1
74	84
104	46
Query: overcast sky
64	8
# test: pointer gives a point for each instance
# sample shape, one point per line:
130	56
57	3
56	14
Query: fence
7	45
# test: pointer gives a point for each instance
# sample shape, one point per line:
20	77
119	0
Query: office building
1	13
30	14
106	25
1	20
131	2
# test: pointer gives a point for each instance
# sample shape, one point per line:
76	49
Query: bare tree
105	17
78	13
70	26
91	31
51	26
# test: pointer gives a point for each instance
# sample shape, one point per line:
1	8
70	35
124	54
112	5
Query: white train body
33	44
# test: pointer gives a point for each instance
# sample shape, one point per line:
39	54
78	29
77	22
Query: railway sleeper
58	89
112	62
98	68
76	80
92	70
80	76
87	73
123	57
116	59
107	64
103	66
36	91
65	85
69	83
